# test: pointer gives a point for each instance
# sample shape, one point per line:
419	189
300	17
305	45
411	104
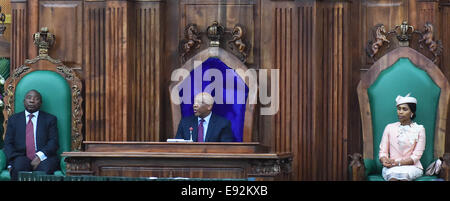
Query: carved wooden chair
400	72
60	88
215	58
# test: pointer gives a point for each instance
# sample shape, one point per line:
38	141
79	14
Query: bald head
203	103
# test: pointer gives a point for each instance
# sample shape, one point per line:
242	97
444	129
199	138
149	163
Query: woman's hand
387	162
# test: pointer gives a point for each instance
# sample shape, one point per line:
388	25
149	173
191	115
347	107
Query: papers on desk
178	140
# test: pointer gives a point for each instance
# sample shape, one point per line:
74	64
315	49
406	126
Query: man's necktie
31	150
200	131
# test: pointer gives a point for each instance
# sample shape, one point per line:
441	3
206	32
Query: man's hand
35	162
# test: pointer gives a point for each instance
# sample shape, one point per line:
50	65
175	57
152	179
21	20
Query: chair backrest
232	89
56	100
399	74
400	79
229	106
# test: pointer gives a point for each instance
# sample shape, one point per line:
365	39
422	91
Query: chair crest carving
44	40
403	33
215	33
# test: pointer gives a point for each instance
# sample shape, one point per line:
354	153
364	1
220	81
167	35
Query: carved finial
379	40
237	41
435	47
404	35
2	21
44	40
191	40
215	32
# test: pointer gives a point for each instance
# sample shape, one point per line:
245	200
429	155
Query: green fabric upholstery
56	100
4	72
370	167
400	79
4	67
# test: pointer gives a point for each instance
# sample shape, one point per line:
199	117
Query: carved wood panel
293	56
68	39
147	66
333	91
95	65
19	34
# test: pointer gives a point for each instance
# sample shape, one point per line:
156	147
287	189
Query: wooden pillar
19	33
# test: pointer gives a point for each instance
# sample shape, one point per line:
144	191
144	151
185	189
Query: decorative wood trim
421	62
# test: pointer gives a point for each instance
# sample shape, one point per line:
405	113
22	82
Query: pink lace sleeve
384	144
420	147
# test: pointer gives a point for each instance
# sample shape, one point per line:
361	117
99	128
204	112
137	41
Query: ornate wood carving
434	47
445	169
404	37
44	40
215	33
81	166
380	38
237	41
192	41
357	167
270	167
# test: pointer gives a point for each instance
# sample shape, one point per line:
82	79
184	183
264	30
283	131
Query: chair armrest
356	167
62	164
371	167
445	168
2	160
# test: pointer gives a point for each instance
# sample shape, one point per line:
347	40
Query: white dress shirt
40	154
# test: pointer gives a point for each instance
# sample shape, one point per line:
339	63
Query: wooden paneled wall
332	88
116	46
19	33
126	50
309	40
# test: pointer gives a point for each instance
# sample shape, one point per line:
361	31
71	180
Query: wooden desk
191	160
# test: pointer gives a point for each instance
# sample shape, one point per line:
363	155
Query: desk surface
176	147
175	155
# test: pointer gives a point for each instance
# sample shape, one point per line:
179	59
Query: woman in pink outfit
402	144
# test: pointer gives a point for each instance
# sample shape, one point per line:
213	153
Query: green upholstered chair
60	88
400	72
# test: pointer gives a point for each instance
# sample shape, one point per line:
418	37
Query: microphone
190	132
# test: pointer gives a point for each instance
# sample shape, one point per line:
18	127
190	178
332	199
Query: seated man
31	140
204	126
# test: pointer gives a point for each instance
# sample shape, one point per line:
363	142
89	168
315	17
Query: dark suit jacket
219	129
46	135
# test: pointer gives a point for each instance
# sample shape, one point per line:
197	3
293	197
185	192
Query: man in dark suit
31	140
204	126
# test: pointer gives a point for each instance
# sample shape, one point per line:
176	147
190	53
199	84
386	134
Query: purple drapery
234	95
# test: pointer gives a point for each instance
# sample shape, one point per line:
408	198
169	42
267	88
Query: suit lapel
38	131
195	127
210	127
23	124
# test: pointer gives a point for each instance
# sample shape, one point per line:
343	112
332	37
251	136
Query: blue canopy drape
234	96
